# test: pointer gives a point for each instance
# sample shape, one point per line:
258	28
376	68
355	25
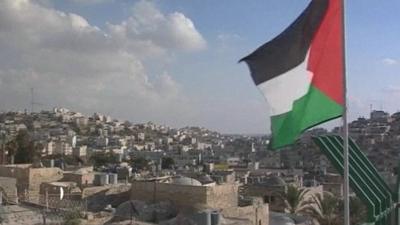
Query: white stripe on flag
283	90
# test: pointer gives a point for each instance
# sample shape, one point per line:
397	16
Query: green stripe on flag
310	110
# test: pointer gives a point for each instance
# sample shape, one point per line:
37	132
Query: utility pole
346	191
47	199
44	216
33	103
32	100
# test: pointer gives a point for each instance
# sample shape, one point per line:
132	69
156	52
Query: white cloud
157	31
91	1
390	61
73	63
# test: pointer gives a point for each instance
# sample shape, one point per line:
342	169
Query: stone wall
217	197
181	195
19	172
257	213
222	196
97	198
29	179
270	195
37	176
8	187
83	180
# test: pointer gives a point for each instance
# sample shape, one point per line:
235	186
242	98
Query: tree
324	208
358	211
294	199
102	158
12	148
37	154
167	162
73	217
25	150
76	128
140	163
75	160
21	149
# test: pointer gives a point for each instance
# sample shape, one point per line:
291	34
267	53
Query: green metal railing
364	180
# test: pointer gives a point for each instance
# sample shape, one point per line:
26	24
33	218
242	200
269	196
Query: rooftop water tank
203	218
113	178
101	179
215	217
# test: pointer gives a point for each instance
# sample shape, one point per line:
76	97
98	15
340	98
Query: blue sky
218	92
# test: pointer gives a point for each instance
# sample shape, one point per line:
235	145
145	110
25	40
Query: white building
81	121
80	151
233	161
141	136
63	148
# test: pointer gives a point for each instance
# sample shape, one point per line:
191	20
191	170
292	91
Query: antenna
32	100
33	103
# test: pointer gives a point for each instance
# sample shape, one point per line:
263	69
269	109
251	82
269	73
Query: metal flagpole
345	125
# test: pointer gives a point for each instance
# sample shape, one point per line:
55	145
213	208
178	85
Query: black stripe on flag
289	48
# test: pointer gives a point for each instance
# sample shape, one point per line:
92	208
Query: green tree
12	148
167	162
25	151
75	160
37	154
358	211
324	208
140	163
103	158
294	199
73	217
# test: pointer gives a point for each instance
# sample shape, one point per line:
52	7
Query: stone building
80	151
269	191
82	179
8	189
188	193
60	190
257	212
223	176
28	178
98	197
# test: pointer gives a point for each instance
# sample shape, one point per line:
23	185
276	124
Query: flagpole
345	125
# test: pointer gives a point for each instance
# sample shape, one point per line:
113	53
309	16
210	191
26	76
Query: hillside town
62	165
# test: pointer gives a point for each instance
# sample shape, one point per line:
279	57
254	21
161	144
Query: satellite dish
61	193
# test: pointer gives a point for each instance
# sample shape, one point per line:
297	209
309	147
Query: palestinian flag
300	72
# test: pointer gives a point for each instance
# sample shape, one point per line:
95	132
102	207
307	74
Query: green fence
364	180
